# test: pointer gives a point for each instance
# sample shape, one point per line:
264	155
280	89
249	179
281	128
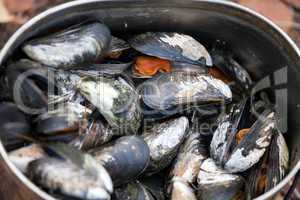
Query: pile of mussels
87	115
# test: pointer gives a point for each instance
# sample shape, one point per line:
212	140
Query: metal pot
258	44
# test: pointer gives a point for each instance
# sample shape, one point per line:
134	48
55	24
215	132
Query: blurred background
285	13
13	13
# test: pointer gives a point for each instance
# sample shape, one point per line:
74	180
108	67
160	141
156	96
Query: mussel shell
278	160
164	141
155	184
66	178
272	168
116	99
13	125
226	63
23	156
253	146
96	134
171	46
117	45
217	184
65	118
177	88
223	141
132	191
28	83
71	47
182	191
192	153
124	159
109	68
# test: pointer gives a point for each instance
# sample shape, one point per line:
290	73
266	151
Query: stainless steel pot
257	43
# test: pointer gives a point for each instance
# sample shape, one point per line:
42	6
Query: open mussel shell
132	191
224	137
65	177
249	151
13	125
112	68
23	156
171	46
116	99
226	63
164	141
217	184
174	66
180	87
71	47
124	159
272	167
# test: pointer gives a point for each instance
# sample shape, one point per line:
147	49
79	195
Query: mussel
132	191
13	125
124	159
164	141
65	118
115	99
187	166
237	149
171	46
71	47
217	184
29	85
117	45
224	61
67	178
272	168
181	87
95	134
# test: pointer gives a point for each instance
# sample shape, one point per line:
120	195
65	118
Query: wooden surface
11	188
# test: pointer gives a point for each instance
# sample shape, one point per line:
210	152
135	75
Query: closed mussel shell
164	141
71	47
124	159
217	184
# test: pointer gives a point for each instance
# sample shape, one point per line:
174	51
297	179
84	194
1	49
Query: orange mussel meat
149	66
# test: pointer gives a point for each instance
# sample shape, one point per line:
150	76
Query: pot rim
68	5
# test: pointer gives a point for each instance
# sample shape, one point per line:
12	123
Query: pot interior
255	44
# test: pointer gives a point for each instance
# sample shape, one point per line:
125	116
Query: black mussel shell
124	159
71	47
